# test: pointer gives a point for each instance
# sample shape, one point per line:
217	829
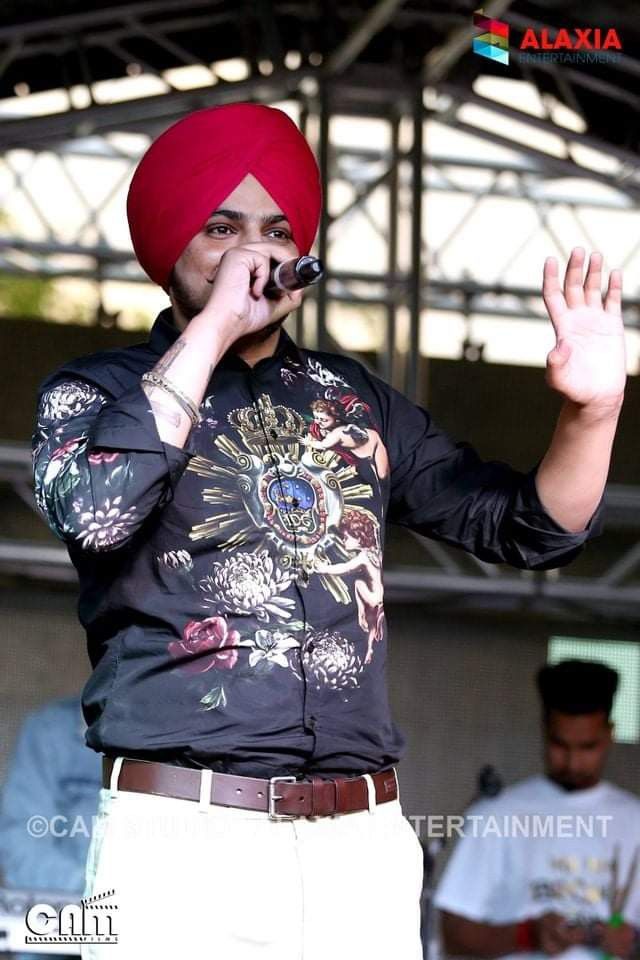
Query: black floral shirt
232	591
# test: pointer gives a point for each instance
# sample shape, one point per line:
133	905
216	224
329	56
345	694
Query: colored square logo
492	38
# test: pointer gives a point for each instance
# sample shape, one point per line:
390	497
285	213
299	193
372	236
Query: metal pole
415	276
300	312
386	363
323	160
375	21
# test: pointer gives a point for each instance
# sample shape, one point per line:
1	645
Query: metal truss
366	177
383	191
445	576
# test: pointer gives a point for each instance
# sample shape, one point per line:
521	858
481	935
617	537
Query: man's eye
280	234
219	229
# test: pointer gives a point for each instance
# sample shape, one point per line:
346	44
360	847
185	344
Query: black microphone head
489	782
309	269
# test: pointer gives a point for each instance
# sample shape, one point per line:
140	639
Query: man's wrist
217	335
592	414
526	939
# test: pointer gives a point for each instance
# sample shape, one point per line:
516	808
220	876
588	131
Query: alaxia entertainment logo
578	39
546	44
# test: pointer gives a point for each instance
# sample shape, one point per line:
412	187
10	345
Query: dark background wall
506	411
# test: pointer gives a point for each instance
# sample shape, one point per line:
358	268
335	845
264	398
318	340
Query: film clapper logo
90	921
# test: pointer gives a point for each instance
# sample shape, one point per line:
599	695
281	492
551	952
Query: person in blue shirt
54	776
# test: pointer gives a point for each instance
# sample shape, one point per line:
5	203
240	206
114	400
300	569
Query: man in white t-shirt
550	866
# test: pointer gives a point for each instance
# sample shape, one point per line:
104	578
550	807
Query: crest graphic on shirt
273	483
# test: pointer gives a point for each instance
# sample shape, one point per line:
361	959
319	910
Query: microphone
292	275
489	783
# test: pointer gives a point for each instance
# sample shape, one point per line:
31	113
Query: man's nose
251	233
574	763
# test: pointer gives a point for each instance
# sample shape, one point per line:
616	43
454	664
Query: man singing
215	533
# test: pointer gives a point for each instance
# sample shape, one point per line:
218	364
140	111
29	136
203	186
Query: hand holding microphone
293	274
253	288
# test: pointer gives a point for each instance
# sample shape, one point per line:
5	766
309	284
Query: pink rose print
212	634
65	449
102	456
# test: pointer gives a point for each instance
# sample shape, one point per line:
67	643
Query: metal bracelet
187	404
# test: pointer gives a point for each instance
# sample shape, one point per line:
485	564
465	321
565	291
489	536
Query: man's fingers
552	933
573	288
593	281
570	935
613	297
248	257
260	276
552	293
295	296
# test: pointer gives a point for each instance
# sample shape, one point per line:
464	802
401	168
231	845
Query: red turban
194	165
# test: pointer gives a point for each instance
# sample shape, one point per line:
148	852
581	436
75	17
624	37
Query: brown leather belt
283	798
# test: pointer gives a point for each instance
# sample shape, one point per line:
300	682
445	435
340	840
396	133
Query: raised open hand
587	364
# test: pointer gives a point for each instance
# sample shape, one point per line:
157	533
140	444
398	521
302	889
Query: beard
573	785
259	336
190	304
186	300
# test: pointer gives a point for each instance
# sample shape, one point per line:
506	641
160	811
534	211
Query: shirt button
274	434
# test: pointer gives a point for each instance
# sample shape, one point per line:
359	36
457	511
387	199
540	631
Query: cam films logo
493	38
90	921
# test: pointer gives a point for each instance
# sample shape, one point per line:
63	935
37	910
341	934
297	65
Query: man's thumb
560	354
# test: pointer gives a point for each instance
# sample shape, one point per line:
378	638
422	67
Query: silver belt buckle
273	815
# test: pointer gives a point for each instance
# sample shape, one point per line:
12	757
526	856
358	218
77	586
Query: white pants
219	883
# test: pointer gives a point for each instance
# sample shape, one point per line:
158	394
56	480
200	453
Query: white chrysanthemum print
106	526
67	400
331	661
248	583
177	560
321	375
272	647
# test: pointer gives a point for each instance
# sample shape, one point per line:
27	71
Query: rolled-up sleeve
444	490
100	467
129	424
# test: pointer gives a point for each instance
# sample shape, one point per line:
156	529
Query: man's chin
271	328
573	786
251	339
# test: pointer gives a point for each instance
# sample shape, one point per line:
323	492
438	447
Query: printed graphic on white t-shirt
537	849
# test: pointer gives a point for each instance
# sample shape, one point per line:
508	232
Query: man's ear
167	287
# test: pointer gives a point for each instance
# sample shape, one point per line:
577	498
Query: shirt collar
164	333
